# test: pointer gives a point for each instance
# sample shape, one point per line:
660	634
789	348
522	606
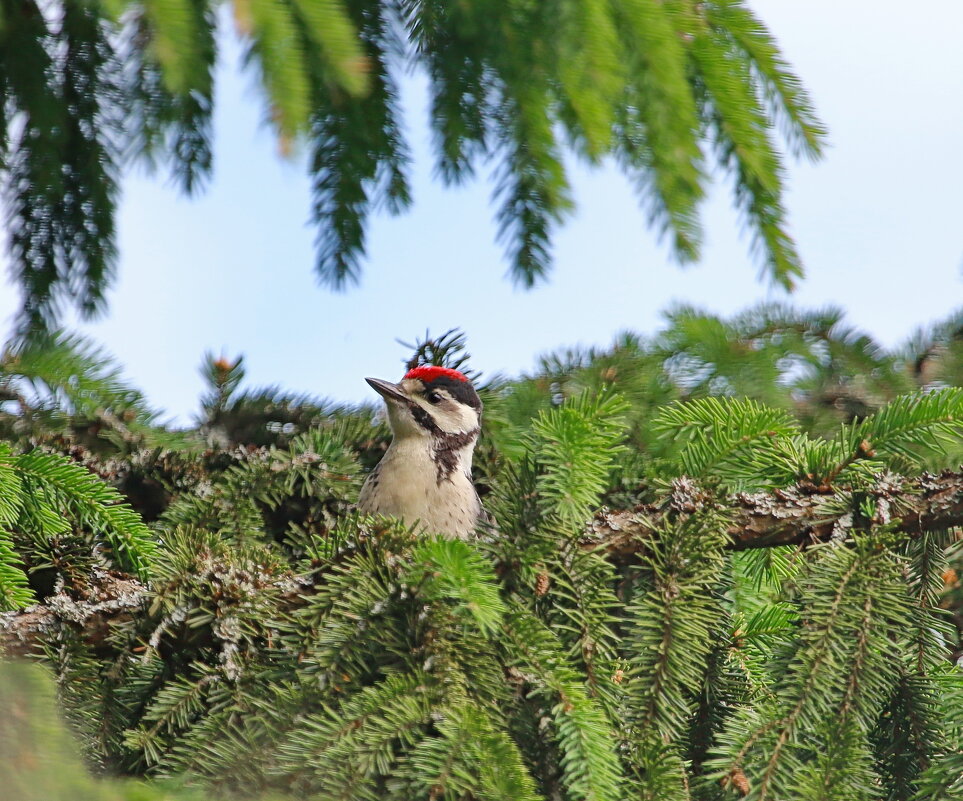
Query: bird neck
449	452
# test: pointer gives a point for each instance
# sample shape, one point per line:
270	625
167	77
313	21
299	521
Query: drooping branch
800	515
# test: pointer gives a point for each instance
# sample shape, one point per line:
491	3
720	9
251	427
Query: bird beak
387	390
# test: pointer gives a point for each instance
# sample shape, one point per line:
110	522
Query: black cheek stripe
446	450
445	445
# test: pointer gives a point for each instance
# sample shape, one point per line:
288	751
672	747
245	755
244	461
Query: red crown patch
429	373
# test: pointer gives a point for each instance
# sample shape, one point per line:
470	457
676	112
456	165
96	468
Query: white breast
405	484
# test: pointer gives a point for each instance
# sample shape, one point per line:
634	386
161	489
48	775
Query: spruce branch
792	516
795	515
671	622
107	600
584	736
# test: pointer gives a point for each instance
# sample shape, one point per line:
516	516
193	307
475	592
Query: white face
448	414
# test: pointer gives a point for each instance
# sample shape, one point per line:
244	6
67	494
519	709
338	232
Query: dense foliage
654	85
283	645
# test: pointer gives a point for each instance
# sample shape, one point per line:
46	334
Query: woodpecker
425	475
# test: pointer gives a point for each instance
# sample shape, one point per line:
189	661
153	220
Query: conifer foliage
56	515
282	646
658	86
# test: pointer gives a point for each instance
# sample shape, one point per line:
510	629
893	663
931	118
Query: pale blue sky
879	223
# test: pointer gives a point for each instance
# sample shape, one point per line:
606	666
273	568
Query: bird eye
434	397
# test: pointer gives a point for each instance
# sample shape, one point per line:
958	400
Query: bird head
431	402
